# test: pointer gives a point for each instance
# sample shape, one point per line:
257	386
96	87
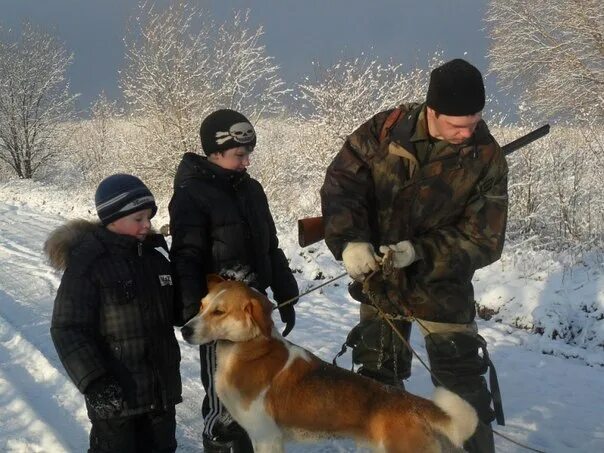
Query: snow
545	336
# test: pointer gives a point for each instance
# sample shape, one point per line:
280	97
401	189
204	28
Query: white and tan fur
277	390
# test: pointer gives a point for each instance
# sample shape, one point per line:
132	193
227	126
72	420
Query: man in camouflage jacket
427	183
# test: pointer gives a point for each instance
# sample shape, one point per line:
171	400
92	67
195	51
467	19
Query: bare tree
554	49
34	99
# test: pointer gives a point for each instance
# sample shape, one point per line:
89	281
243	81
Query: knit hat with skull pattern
225	129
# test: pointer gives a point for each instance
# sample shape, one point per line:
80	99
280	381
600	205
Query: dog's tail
463	416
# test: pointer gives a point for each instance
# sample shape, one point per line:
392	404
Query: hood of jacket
195	166
64	239
88	239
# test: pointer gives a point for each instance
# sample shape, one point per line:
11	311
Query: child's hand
104	396
288	316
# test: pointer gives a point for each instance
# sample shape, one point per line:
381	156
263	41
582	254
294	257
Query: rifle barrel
525	140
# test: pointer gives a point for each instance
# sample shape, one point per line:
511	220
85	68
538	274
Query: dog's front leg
272	445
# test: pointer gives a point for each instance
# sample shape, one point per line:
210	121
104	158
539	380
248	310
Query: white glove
360	259
403	254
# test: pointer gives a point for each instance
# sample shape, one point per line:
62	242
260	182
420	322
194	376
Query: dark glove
104	396
288	316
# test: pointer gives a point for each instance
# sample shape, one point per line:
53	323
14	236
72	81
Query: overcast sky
296	32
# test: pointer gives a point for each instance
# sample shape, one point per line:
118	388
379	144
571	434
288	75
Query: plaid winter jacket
113	314
220	222
449	200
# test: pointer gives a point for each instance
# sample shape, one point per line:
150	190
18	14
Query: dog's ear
261	316
213	280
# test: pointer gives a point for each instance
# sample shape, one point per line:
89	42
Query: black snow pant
153	432
220	432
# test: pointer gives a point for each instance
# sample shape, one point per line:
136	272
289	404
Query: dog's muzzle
187	333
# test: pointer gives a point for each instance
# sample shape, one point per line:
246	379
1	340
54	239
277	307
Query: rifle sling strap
391	120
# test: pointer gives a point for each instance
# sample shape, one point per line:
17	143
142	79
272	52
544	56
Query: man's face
454	129
237	159
136	224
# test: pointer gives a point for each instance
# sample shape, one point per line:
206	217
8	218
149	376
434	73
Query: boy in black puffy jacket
221	223
113	317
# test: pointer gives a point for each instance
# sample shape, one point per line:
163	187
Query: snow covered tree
165	79
245	77
180	66
554	49
343	96
96	142
34	99
330	106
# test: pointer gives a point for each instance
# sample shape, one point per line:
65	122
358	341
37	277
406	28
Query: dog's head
230	311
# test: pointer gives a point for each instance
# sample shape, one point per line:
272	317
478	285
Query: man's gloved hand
403	253
104	396
360	259
288	316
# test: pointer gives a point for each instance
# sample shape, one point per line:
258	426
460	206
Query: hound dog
277	390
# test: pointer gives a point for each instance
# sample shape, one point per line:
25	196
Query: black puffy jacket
220	221
114	314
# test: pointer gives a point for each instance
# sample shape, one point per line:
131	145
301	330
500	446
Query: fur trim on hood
64	238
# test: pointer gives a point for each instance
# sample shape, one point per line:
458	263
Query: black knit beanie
226	129
456	89
120	195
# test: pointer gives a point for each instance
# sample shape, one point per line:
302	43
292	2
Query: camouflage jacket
449	200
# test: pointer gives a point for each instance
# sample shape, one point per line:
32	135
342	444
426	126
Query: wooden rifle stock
311	229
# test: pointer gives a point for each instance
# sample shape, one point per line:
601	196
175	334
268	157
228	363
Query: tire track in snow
29	284
36	398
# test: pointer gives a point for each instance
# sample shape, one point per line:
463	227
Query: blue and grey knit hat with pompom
120	195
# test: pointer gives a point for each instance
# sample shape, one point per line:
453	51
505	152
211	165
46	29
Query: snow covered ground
552	384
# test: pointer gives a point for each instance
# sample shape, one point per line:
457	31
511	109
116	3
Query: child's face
136	224
237	159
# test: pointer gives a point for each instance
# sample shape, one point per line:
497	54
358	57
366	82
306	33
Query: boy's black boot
244	444
216	445
239	444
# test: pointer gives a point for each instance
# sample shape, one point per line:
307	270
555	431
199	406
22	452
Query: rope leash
414	352
293	299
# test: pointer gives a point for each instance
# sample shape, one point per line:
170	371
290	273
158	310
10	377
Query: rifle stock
311	229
